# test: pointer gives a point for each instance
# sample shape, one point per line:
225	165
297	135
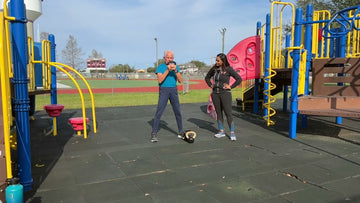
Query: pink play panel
245	58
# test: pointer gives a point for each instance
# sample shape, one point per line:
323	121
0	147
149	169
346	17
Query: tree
120	68
198	64
331	5
72	54
317	4
151	70
95	54
160	61
341	4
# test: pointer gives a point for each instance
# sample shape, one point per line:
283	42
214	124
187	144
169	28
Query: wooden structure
335	88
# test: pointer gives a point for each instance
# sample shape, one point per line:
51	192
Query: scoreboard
96	63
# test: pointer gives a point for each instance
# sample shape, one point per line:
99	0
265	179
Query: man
168	74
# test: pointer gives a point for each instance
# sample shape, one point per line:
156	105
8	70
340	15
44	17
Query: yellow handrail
320	15
353	39
7	35
276	59
31	69
5	92
87	85
46	55
276	37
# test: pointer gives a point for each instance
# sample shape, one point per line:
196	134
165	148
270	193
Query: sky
124	31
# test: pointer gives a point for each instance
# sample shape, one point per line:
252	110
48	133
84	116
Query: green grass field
111	83
73	101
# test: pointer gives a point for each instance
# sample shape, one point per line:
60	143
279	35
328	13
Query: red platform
78	123
54	110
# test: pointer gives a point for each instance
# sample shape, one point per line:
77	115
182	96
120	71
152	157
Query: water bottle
14	192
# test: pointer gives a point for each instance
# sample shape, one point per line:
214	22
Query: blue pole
257	83
53	70
267	59
342	50
286	88
20	81
332	53
308	45
295	74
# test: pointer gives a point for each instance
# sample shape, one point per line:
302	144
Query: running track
197	85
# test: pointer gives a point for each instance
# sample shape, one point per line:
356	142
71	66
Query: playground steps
341	106
335	88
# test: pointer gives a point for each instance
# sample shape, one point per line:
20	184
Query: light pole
157	61
222	31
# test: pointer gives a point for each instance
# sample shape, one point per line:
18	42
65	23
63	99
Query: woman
221	92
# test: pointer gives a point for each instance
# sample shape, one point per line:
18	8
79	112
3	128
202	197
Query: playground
301	146
120	164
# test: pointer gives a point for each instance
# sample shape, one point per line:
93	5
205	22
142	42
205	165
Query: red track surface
197	85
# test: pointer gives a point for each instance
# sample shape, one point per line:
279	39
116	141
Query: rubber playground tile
273	199
329	145
71	193
194	193
339	167
135	162
219	171
324	171
257	167
234	190
117	190
57	177
92	167
275	182
314	194
187	159
349	187
159	181
291	159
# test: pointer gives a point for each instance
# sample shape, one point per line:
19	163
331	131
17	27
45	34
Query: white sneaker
220	134
232	137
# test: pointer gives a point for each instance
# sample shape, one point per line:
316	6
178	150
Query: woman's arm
236	76
208	77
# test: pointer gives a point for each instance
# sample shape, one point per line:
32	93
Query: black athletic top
222	77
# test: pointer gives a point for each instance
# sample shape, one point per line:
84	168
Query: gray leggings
223	103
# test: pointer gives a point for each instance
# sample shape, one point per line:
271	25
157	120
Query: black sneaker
154	137
181	135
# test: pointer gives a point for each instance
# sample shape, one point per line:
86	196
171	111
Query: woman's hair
223	58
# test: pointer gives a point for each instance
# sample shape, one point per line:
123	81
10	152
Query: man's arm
161	76
179	77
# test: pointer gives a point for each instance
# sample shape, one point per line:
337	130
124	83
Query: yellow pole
55	126
90	92
4	95
81	95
